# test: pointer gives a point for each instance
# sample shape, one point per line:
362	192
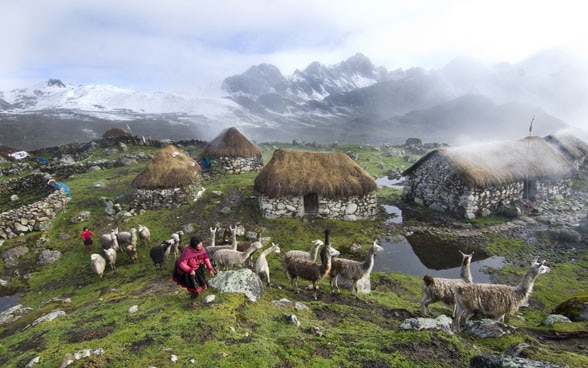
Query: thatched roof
484	165
169	168
115	132
231	143
571	146
298	173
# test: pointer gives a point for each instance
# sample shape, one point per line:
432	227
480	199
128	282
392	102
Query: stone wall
436	185
235	165
347	209
36	216
165	198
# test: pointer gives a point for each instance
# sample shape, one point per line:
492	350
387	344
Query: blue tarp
62	185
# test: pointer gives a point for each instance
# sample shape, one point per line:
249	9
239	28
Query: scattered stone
442	323
12	314
47	257
486	328
555	318
291	318
209	299
70	358
134	309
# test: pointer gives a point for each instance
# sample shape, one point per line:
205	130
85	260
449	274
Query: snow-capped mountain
350	102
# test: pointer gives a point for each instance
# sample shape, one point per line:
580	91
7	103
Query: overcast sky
187	45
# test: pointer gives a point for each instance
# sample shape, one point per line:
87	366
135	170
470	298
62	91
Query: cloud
189	44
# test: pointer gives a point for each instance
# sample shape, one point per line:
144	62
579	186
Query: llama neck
314	251
466	273
369	262
525	288
267	251
212	237
325	259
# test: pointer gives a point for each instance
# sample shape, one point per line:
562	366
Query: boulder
576	308
242	281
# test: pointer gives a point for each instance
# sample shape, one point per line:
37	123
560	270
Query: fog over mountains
353	101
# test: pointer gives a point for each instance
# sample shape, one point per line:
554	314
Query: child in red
87	237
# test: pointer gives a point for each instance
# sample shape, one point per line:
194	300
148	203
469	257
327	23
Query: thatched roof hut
116	132
571	146
328	174
491	164
169	168
230	143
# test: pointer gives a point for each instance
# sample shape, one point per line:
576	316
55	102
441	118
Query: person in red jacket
189	268
87	237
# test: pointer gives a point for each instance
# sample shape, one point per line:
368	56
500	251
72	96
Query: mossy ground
232	331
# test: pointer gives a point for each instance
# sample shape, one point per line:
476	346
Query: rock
47	257
240	281
499	361
440	323
12	314
291	318
555	318
287	303
134	309
576	308
486	328
11	256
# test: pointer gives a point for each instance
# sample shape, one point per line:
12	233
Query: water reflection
434	258
395	214
9	301
391	183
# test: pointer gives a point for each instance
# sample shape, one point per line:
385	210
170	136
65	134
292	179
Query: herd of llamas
462	295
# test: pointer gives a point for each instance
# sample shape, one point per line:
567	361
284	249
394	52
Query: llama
158	253
110	257
309	270
353	270
226	258
98	264
311	256
261	266
144	235
495	300
109	240
131	251
177	237
243	245
214	248
437	289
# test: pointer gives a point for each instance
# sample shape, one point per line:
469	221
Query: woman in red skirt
189	268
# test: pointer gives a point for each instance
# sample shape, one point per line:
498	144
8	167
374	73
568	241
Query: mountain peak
55	83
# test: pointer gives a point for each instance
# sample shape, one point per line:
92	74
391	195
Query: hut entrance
311	203
530	191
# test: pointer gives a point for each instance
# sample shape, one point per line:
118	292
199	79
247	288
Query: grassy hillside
232	331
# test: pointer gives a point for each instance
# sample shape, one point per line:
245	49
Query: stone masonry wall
436	185
347	209
235	165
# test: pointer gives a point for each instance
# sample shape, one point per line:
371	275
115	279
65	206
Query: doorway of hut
530	190
311	203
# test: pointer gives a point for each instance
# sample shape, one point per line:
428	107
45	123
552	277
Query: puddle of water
395	214
399	256
9	301
392	183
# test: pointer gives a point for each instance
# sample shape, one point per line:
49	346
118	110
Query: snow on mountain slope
55	94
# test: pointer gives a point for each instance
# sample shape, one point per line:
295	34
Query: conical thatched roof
484	165
298	173
571	146
231	143
115	132
169	168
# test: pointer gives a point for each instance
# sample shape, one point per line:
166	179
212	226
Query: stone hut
484	179
231	153
168	180
315	184
573	148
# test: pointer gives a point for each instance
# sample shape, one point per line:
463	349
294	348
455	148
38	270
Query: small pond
9	301
418	256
